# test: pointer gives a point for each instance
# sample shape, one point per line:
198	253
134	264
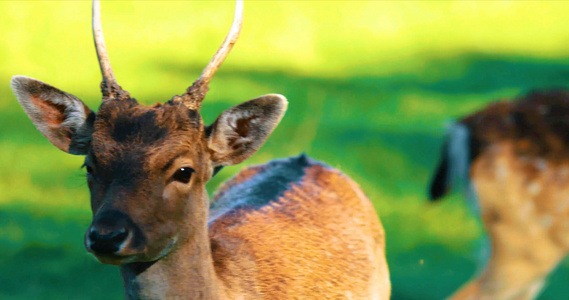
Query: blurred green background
371	85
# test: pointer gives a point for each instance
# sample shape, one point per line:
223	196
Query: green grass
371	85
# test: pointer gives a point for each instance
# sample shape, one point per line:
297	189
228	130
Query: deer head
147	165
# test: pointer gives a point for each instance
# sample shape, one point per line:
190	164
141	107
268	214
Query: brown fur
536	124
53	115
520	172
147	168
290	250
526	213
56	114
321	239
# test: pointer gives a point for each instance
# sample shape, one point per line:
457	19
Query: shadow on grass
357	124
451	270
45	259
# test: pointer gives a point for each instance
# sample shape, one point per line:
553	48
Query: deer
512	158
293	228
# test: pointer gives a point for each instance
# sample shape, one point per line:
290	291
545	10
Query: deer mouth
114	259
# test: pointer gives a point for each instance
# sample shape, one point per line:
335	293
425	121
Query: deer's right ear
61	117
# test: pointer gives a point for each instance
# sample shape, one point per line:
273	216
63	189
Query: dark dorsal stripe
267	185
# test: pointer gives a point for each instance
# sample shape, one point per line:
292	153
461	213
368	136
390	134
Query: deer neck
513	276
185	273
481	289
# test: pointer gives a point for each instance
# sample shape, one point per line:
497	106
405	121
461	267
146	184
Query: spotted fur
519	169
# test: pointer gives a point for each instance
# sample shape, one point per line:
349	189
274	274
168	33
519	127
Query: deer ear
241	130
62	118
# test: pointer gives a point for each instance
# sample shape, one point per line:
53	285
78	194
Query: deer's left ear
241	130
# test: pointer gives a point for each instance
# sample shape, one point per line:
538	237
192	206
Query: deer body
290	229
281	247
518	158
322	224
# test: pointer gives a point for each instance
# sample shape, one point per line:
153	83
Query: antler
195	94
109	85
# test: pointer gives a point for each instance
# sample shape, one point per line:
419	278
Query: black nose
107	243
108	233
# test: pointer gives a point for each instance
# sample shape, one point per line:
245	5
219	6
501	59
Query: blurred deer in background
292	228
515	158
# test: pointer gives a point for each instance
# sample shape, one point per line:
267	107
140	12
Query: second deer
515	159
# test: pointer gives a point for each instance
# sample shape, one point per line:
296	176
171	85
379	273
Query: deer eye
183	174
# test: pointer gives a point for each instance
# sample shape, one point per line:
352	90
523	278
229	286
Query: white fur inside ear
241	130
56	114
227	132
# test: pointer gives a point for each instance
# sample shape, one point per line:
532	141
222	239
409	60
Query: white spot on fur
564	171
501	170
534	188
526	209
546	221
540	164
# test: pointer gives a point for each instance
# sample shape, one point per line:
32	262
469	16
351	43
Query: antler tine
195	94
109	85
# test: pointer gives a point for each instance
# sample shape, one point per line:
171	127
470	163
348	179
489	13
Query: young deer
291	229
516	156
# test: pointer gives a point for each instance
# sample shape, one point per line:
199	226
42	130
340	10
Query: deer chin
166	250
127	256
124	255
115	260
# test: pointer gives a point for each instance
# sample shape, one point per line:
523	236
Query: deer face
146	166
146	170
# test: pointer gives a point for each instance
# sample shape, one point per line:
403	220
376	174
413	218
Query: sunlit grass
372	86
